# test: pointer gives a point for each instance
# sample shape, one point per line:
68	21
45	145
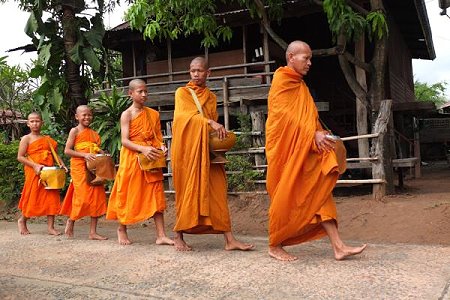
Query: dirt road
39	266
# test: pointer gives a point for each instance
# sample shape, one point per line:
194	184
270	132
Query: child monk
35	153
82	199
138	195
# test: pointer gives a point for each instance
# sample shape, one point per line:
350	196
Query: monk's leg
51	225
122	235
68	231
93	235
232	244
180	244
161	237
23	229
341	251
279	253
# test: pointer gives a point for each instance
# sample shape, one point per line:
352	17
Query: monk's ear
208	73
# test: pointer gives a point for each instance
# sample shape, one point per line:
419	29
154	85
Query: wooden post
417	170
169	59
226	116
258	124
266	54
361	110
134	59
169	146
244	46
382	169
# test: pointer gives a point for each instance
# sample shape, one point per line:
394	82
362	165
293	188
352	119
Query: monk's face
84	116
300	60
199	73
138	94
34	122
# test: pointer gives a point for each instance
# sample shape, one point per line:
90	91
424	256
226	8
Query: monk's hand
218	128
151	153
164	149
65	168
37	168
322	142
89	157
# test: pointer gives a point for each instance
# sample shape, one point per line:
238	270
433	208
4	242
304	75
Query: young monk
201	187
138	195
302	166
81	198
35	153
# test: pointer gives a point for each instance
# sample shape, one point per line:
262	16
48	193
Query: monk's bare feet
164	240
236	245
68	231
345	251
97	237
122	237
23	226
279	253
53	231
180	244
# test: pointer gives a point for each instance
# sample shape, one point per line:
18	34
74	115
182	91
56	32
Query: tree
68	42
430	92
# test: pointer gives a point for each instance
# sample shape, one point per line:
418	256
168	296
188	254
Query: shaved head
34	114
80	108
202	61
296	47
136	83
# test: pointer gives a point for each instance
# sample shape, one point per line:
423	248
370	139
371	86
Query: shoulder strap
197	103
55	156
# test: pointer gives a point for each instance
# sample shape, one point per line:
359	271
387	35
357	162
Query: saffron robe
35	199
137	195
200	188
300	179
82	199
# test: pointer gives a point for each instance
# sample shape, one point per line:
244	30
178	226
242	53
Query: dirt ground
417	214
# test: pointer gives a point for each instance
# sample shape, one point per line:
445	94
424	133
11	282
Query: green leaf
44	54
75	54
91	58
32	25
56	99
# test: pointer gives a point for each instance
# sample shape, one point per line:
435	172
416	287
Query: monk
200	187
82	199
138	195
35	153
302	166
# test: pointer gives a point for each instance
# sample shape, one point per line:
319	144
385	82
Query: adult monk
302	166
83	199
137	194
201	187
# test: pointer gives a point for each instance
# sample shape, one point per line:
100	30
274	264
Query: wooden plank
405	162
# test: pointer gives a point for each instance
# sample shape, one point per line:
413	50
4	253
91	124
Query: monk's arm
70	147
23	145
149	151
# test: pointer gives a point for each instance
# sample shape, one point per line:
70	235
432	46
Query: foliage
175	18
107	111
430	92
10	185
242	173
342	18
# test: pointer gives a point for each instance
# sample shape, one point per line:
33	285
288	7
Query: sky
13	20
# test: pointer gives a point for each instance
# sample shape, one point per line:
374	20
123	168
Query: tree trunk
76	90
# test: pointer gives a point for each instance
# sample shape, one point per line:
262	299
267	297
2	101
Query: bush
12	179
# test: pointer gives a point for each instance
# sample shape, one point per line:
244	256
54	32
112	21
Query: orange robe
300	180
200	188
82	199
137	195
35	199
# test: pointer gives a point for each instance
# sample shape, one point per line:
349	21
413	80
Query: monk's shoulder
181	91
154	114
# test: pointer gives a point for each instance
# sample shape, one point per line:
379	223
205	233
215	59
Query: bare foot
236	245
23	226
53	231
164	240
346	251
97	237
180	244
68	231
122	236
279	253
